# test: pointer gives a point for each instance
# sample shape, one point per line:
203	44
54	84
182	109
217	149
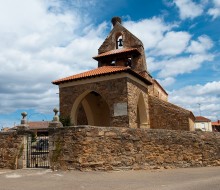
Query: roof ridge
201	118
113	66
117	51
93	72
100	71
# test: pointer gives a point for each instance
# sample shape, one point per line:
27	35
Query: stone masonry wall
107	148
134	90
11	149
164	115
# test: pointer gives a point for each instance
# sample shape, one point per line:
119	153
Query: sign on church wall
120	109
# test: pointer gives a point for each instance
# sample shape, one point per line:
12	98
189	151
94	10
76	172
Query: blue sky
44	40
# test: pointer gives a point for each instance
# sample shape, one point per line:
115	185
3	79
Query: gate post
56	121
23	130
22	156
24	123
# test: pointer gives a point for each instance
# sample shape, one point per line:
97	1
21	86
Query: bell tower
122	48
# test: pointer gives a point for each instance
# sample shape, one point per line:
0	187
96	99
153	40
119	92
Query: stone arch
142	119
90	108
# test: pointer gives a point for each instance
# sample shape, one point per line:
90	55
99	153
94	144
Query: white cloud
188	9
149	31
167	81
172	67
173	43
38	46
215	10
217	2
203	44
176	66
157	37
153	64
194	55
207	95
209	88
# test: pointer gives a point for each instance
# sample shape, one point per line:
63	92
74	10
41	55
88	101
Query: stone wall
158	91
107	148
11	149
164	115
134	91
110	148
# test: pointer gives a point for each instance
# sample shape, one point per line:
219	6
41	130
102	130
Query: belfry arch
90	108
142	119
119	41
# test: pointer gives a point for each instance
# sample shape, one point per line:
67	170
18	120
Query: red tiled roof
117	51
217	123
201	118
38	124
105	70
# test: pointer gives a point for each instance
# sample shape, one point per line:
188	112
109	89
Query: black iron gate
38	152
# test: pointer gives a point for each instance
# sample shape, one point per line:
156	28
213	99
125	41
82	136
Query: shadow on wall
90	109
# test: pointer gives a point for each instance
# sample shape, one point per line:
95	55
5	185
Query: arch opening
90	109
119	41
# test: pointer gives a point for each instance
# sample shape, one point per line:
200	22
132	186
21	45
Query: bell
120	43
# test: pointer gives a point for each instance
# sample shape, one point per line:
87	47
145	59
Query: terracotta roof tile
201	118
99	72
117	51
217	123
38	124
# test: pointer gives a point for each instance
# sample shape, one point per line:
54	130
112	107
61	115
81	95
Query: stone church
120	92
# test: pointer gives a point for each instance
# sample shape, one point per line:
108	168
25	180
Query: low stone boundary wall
108	148
11	149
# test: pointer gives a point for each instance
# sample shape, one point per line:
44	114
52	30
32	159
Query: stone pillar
56	121
24	123
56	117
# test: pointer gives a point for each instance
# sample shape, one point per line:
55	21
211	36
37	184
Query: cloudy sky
44	40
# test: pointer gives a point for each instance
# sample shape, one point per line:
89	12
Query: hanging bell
120	43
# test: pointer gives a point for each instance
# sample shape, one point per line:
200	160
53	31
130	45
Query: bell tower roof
117	52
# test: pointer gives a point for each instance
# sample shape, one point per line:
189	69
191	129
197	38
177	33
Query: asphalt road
173	179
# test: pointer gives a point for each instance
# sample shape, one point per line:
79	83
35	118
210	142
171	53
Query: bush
65	120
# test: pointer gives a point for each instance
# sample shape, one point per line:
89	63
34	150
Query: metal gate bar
38	152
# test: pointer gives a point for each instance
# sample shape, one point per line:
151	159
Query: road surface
173	179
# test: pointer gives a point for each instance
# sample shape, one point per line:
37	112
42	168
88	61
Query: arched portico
90	108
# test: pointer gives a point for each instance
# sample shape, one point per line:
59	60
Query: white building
203	123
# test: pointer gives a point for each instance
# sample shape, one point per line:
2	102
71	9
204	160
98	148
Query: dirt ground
36	179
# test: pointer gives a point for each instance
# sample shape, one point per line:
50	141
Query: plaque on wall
120	109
